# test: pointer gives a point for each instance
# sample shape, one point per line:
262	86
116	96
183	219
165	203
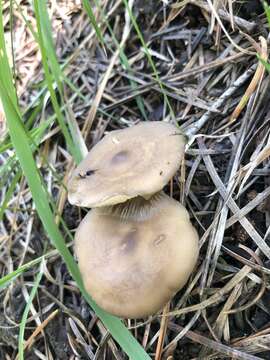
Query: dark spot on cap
90	172
87	173
120	157
159	239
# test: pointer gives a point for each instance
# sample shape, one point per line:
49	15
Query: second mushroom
138	247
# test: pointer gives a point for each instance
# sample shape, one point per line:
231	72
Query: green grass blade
124	61
92	18
149	57
21	142
52	72
5	280
45	37
28	23
267	11
25	314
9	193
265	63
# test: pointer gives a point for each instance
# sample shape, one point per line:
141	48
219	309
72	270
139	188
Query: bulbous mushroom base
133	261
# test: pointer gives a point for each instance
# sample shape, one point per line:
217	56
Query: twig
194	128
259	241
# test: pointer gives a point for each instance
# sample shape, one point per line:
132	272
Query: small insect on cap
136	161
133	262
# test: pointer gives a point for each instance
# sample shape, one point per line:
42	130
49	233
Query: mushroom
137	161
134	257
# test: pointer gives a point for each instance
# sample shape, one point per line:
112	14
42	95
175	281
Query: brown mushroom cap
137	161
132	262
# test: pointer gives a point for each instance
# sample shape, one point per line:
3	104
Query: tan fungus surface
136	161
132	266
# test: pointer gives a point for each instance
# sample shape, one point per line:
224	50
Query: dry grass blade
218	296
222	318
249	168
259	73
260	242
29	342
259	199
194	128
256	343
261	291
93	110
190	62
224	29
218	347
163	328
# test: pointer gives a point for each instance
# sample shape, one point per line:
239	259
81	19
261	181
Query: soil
188	58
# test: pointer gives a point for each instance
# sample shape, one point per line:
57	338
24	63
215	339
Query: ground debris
194	68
